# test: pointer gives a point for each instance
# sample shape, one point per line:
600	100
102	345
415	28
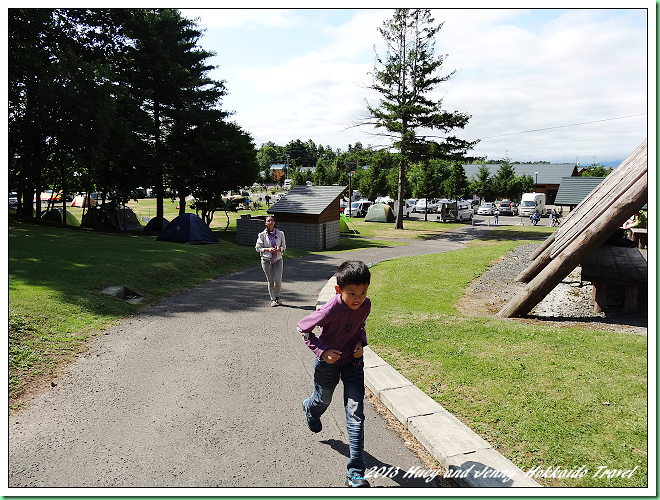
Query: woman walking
270	245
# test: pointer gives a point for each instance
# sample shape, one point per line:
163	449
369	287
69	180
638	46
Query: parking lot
504	220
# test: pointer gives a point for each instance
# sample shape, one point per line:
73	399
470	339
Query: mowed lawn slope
543	395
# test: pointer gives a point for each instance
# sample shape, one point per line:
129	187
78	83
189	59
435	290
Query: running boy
338	350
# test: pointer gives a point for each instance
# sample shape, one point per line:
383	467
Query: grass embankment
542	395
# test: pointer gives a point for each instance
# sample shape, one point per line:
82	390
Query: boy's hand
305	335
330	355
357	350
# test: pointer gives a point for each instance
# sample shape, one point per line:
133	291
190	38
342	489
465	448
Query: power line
563	126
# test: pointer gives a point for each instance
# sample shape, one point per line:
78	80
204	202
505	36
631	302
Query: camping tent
187	228
152	225
379	212
111	217
81	200
55	215
346	226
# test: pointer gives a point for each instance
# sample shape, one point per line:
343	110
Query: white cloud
236	17
301	75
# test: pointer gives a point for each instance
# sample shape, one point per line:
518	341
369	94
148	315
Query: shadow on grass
356	242
505	234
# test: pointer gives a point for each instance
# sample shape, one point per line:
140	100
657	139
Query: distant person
267	198
270	245
339	355
632	222
496	216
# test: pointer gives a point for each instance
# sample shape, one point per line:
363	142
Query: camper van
408	206
451	210
532	203
287	184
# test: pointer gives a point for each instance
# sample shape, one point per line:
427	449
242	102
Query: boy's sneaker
273	303
314	424
356	481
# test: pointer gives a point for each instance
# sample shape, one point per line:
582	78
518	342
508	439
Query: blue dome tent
187	228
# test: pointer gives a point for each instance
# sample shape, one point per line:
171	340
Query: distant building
575	189
308	215
547	181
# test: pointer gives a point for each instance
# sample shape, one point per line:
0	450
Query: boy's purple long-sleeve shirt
341	327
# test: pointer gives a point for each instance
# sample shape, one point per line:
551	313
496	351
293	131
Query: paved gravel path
204	389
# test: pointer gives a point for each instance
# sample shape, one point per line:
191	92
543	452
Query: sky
557	85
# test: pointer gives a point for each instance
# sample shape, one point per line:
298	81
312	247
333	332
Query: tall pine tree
404	78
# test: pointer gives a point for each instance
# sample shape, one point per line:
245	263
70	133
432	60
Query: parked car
452	210
48	195
359	208
507	208
487	208
409	207
13	199
475	206
422	206
532	203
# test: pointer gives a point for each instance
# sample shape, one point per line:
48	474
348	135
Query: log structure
585	229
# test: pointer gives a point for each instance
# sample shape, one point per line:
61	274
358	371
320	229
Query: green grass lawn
542	395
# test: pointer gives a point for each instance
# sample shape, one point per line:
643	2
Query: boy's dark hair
353	272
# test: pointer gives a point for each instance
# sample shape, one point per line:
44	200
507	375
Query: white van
451	210
408	206
287	184
531	203
358	208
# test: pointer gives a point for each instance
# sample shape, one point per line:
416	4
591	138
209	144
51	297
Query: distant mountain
608	164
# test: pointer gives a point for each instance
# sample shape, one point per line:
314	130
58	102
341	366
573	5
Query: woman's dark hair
353	272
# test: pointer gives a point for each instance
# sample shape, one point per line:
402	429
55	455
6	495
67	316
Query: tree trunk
182	204
400	194
160	195
63	174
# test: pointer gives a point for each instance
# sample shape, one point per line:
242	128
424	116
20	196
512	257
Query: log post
530	272
546	243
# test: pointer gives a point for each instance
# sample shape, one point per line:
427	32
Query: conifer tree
404	78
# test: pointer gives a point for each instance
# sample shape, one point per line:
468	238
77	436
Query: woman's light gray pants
273	274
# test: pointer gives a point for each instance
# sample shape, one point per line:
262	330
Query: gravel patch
568	303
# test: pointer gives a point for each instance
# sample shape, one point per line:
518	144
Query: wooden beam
546	243
589	210
580	247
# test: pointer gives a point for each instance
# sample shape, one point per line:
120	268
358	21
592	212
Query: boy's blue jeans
326	378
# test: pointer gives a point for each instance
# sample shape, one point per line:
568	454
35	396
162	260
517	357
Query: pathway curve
204	389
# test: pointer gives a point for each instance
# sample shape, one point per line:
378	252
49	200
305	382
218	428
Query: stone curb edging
468	459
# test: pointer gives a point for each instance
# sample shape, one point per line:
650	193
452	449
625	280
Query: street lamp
350	192
537	178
